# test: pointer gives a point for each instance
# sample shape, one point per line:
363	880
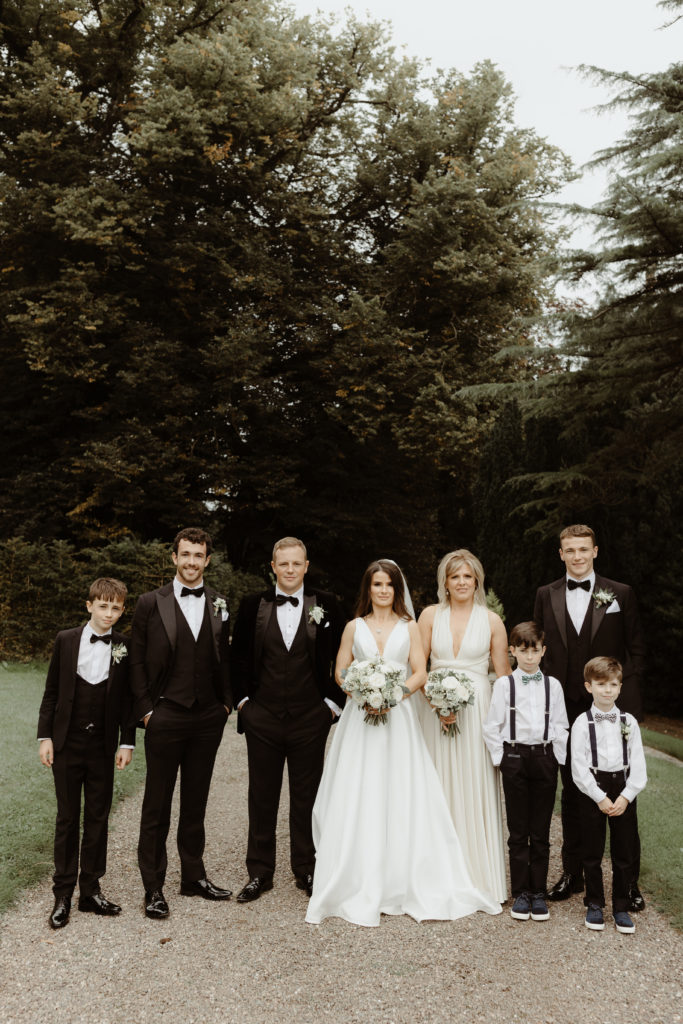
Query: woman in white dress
461	632
384	840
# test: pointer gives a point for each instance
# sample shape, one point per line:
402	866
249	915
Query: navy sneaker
623	923
594	919
539	907
521	908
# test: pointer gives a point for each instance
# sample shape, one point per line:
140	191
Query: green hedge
44	587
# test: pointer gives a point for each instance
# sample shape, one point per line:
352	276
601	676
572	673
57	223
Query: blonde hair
452	561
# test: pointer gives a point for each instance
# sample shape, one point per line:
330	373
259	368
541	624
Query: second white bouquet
448	692
375	686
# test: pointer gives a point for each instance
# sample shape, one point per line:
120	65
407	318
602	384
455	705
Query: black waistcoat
578	653
191	674
286	679
88	706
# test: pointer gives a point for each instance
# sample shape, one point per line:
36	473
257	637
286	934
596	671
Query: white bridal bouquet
448	691
375	686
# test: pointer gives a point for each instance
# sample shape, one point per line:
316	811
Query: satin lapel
311	628
559	607
73	657
216	620
598	613
263	613
166	606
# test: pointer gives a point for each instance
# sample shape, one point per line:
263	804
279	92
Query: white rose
375	700
397	693
376	680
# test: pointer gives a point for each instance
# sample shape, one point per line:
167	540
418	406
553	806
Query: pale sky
535	43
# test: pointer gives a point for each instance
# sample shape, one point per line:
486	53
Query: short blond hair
449	563
578	530
289	542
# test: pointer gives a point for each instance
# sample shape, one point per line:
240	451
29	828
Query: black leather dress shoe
60	912
636	901
96	903
203	887
156	906
305	882
253	889
564	888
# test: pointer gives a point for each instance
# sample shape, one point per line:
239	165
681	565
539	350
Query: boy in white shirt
608	767
526	732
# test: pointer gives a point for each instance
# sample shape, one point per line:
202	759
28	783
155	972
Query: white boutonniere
119	652
219	605
316	613
626	729
603	597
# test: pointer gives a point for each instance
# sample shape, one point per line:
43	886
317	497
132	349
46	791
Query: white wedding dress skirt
463	763
385	843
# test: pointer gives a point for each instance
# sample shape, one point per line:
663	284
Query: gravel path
261	964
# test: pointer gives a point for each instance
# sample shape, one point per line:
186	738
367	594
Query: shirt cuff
242	703
332	706
126	746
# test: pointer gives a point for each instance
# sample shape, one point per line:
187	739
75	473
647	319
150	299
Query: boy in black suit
85	705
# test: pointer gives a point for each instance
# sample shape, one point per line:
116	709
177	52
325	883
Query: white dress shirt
578	601
289	615
191	607
94	660
529	716
610	755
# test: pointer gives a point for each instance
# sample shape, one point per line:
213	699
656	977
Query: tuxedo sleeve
224	659
337	623
46	715
240	651
635	645
142	701
127	731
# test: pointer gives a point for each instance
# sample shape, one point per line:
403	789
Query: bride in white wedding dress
385	843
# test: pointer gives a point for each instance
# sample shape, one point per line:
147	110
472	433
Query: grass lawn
668	744
27	795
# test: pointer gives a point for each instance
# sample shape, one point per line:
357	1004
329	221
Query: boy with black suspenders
608	767
526	733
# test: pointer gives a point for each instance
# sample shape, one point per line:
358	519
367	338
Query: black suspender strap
546	683
513	709
593	740
624	743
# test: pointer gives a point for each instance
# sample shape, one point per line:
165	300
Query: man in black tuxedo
284	647
179	676
583	616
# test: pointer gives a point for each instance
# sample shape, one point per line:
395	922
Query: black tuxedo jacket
617	635
55	709
152	645
323	641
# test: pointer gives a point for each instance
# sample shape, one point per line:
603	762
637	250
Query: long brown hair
364	604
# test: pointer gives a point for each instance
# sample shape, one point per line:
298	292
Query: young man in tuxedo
583	616
283	652
86	705
180	679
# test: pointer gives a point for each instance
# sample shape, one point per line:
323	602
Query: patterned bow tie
575	584
189	592
609	716
106	639
535	678
281	599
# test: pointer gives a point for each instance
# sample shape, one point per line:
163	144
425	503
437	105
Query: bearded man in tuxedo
583	616
283	652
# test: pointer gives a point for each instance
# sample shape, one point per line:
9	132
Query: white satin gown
463	763
385	842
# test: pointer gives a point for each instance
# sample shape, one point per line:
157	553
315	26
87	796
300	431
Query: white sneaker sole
519	917
595	927
540	917
624	930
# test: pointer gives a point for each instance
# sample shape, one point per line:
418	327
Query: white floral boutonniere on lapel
626	729
316	613
603	597
119	652
219	605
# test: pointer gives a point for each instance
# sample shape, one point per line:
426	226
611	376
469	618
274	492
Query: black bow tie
105	639
281	599
188	592
575	584
607	716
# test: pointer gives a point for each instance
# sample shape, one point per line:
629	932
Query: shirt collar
297	593
88	631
